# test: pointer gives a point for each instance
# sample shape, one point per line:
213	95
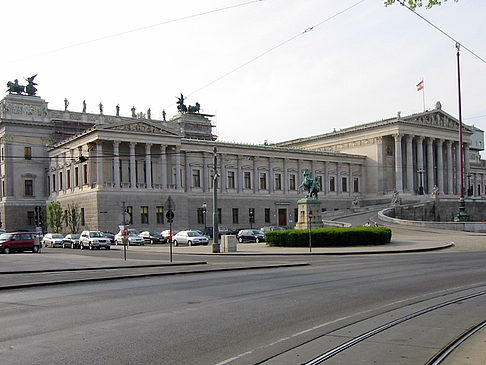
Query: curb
135	276
105	268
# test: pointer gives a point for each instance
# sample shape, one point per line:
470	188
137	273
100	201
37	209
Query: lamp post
461	215
310	230
420	171
205	210
216	248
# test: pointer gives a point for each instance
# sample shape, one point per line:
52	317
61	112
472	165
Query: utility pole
216	248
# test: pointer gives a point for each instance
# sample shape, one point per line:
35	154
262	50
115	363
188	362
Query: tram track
284	356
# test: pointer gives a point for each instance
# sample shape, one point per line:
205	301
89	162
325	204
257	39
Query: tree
54	216
413	4
72	218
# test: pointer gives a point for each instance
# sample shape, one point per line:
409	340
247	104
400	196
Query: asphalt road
246	317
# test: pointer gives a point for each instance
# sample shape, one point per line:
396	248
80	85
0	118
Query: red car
19	241
168	235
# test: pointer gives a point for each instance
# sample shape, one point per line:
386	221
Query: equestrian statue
310	185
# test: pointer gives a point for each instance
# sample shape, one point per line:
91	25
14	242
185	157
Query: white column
178	167
223	179
440	165
163	166
430	166
148	166
205	173
398	163
270	176
256	187
187	173
325	188
239	175
466	159
420	163
99	164
450	177
285	176
338	178
116	163
350	182
409	140
133	175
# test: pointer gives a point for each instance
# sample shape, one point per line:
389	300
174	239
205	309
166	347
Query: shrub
330	237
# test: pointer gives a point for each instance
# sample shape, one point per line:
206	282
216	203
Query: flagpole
423	93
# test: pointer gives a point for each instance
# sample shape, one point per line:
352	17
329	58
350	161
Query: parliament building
101	163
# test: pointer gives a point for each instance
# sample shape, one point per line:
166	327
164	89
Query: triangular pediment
436	118
141	126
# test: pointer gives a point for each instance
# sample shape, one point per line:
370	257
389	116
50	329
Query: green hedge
330	237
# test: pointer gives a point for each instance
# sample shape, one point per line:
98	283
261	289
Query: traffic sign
170	216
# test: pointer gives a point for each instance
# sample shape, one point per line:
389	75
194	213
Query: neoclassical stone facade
102	162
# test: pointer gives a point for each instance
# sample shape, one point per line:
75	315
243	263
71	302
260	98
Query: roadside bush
330	237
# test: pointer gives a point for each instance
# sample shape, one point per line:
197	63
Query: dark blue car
250	235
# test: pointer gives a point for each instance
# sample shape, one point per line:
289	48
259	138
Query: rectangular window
344	184
319	180
278	181
159	213
247	178
200	215
29	188
292	182
130	214
83	222
235	215
28	153
68	177
60	181
30	218
144	218
85	174
332	183
4	192
263	181
267	215
231	179
296	215
196	178
48	184
53	182
76	176
355	185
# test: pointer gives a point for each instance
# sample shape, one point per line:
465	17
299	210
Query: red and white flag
420	85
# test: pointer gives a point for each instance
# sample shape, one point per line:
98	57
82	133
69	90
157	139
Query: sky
250	63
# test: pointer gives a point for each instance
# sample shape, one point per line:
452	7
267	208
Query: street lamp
205	210
420	171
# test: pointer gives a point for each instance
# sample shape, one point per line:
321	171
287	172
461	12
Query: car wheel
81	246
6	250
107	247
90	247
257	240
35	249
240	240
175	243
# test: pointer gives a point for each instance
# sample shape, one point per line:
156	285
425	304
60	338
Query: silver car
189	237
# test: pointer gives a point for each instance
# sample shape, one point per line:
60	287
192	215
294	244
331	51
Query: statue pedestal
305	207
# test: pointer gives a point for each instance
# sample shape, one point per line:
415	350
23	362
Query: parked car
53	240
109	235
19	241
152	237
94	239
167	234
71	241
189	237
250	235
133	238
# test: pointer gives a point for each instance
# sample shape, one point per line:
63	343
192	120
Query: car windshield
131	234
57	236
193	234
155	234
5	237
75	236
95	234
257	232
133	231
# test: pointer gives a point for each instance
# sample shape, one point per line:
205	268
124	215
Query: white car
53	240
93	239
189	237
133	238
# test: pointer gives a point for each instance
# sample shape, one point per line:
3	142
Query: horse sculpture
14	87
310	185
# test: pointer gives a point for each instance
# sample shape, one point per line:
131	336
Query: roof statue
30	89
16	88
194	109
181	107
84	106
312	186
